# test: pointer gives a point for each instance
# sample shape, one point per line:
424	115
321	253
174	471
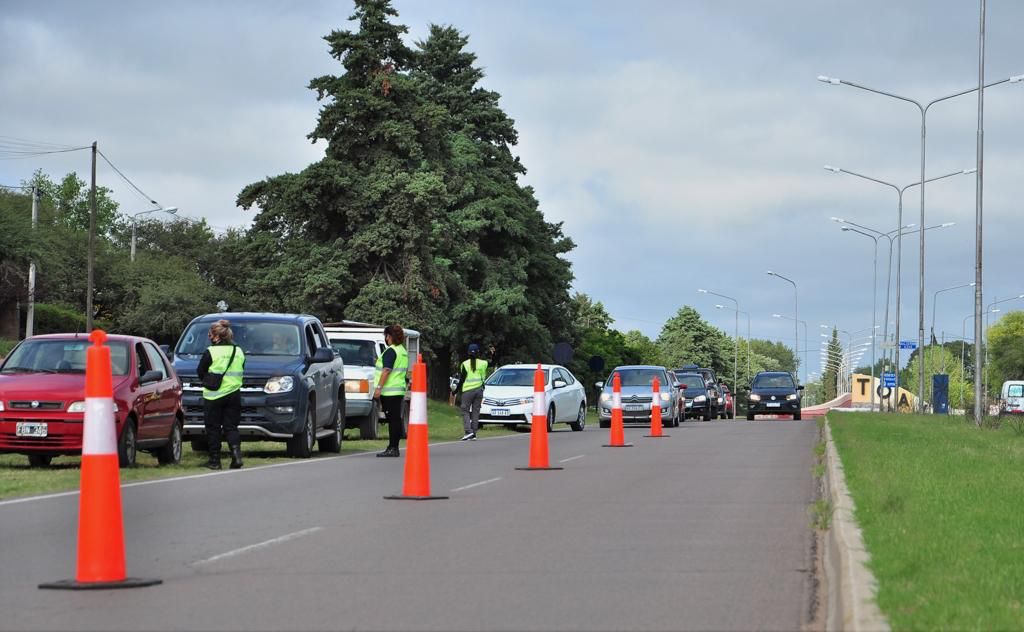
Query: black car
715	396
774	393
698	404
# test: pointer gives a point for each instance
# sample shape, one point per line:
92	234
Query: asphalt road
705	530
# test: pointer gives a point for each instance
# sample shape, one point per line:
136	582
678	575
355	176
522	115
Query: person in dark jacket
222	406
472	374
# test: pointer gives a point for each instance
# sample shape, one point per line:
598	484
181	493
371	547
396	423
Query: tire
170	454
300	446
581	419
750	416
796	416
707	415
200	445
332	442
551	419
604	424
39	460
732	414
368	426
127	448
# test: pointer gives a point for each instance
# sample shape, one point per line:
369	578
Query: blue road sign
908	344
889	380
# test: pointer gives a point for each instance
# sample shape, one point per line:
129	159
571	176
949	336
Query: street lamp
747	314
804	323
796	314
736	347
135	218
923	109
935	303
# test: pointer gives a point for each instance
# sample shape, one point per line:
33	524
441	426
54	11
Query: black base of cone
540	468
128	582
618	445
416	497
661	436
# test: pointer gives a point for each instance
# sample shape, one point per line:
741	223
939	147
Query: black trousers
392	406
223	413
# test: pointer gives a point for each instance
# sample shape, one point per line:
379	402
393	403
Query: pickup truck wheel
170	454
39	460
332	442
127	448
300	446
200	445
369	424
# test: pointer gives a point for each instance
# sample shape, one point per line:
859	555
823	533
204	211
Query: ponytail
472	363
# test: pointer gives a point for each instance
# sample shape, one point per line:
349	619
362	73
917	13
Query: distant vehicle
42	399
293	389
774	393
696	394
359	345
637	396
508	396
1012	396
729	410
714	394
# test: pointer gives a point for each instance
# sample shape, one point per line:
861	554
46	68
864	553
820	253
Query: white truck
360	344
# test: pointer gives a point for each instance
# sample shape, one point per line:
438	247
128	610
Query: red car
42	398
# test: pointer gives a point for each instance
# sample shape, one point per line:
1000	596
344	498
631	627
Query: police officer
222	406
390	385
472	374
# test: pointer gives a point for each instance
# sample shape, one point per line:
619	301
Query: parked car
1012	396
637	396
729	409
774	393
359	345
714	395
293	388
42	399
697	403
508	396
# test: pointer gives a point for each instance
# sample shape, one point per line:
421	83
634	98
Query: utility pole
30	316
92	244
978	258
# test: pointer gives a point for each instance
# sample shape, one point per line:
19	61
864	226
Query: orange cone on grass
416	485
101	559
617	435
656	411
539	426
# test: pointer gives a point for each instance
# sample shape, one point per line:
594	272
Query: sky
681	144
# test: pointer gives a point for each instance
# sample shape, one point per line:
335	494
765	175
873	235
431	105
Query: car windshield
692	381
255	338
638	377
514	377
774	381
355	352
61	356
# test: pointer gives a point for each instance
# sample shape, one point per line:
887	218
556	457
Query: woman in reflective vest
222	408
390	384
472	374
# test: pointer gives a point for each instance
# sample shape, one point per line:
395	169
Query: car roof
250	316
531	366
353	326
773	373
637	366
85	337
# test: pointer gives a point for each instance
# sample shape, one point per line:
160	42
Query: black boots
213	463
389	452
236	457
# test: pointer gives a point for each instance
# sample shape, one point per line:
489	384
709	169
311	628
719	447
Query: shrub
60	319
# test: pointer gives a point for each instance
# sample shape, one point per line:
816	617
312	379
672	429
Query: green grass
941	505
17	479
6	346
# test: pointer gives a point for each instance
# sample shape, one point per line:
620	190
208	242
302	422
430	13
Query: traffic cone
539	427
617	439
417	446
100	527
656	410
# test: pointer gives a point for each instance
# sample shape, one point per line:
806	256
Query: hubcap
310	433
176	445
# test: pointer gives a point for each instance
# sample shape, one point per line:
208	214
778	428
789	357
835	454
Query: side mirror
323	354
599	384
150	376
800	388
559	384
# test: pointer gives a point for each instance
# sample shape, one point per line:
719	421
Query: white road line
573	458
260	545
471	485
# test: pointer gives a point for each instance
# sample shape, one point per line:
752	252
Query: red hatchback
42	398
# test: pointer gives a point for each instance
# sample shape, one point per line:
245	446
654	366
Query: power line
130	183
9	152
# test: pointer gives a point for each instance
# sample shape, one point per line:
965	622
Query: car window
355	352
514	377
253	337
156	363
140	358
60	356
568	377
691	380
321	339
774	381
637	377
1015	390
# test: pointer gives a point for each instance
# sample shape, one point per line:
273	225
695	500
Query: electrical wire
9	152
126	179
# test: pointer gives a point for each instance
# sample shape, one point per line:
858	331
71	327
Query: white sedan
508	396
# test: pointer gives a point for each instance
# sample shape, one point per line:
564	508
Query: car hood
47	386
629	391
255	366
507	392
778	392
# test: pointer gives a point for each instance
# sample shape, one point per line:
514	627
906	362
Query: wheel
170	454
707	415
750	416
300	446
551	418
332	442
127	449
604	423
39	460
581	419
796	416
200	445
368	425
732	414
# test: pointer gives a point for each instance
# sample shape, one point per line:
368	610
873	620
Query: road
705	530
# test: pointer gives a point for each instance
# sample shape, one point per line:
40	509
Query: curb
852	588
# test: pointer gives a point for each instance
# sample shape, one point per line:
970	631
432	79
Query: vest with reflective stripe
474	379
396	379
220	354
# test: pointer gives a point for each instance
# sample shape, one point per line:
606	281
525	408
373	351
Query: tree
830	376
70	200
936	359
687	339
783	357
1006	350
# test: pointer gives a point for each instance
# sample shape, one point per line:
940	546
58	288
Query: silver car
637	395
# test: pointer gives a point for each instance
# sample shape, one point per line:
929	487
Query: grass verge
940	504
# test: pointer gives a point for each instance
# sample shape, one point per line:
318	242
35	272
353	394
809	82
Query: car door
564	410
316	373
574	395
143	397
161	410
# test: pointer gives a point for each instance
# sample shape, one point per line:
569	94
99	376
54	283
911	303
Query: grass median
941	505
17	479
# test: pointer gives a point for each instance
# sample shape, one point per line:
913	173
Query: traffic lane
676	553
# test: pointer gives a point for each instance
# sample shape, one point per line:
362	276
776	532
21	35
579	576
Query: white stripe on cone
418	409
540	405
616	400
656	402
99	432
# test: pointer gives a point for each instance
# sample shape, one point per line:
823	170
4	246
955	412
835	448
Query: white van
360	344
1012	396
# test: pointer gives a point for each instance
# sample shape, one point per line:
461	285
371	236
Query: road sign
889	380
908	344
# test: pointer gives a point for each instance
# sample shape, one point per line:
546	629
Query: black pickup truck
293	389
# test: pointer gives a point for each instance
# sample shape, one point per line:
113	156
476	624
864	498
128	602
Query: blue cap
474	348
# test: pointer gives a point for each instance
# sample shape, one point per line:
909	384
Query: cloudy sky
681	143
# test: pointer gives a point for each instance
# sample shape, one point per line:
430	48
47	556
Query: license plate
500	412
774	404
689	404
30	429
634	407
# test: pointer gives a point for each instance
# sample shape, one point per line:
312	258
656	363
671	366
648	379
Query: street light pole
135	218
806	347
874	299
796	314
747	314
736	346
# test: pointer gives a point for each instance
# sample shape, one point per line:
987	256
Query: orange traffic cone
656	411
539	426
617	439
100	527
417	449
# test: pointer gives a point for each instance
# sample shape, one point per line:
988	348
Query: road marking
471	485
259	545
573	458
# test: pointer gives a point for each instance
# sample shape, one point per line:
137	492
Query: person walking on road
472	374
390	385
220	370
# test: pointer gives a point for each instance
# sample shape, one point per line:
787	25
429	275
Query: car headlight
78	407
351	386
755	398
700	398
526	400
791	396
666	397
281	384
606	397
1	407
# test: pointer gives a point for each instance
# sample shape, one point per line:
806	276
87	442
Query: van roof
354	325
